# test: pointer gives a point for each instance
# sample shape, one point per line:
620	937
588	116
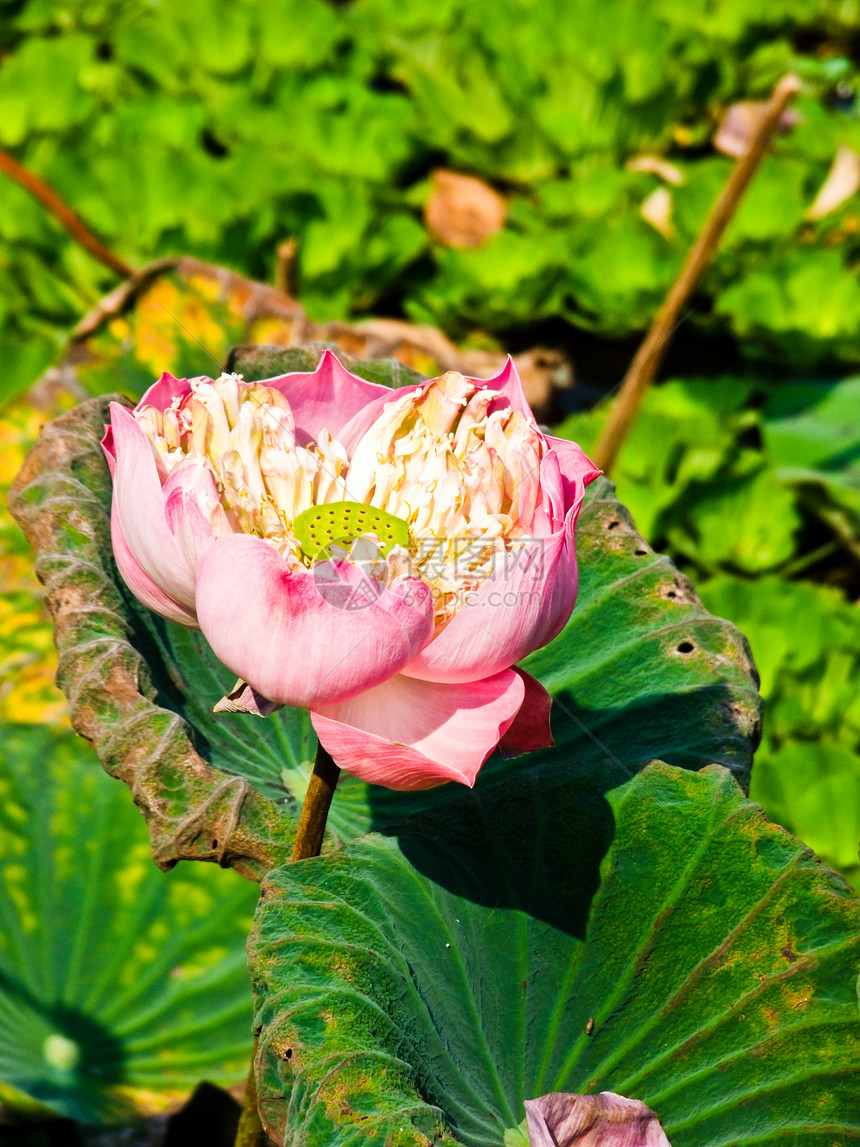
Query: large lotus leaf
641	671
562	932
121	987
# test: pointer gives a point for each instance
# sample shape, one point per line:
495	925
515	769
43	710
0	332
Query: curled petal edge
326	398
408	734
142	585
530	729
138	503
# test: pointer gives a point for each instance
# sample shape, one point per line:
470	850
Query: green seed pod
318	528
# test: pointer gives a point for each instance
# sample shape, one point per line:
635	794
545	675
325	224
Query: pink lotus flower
382	558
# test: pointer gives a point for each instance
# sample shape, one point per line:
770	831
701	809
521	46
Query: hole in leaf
613	525
686	647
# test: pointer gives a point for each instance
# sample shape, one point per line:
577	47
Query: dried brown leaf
463	211
604	1120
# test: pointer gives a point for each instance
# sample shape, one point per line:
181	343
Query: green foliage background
220	128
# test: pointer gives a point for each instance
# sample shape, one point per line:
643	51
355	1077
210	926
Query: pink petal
109	450
139	504
528	601
308	638
142	586
190	506
355	429
162	393
408	734
577	469
327	398
552	507
510	386
604	1120
521	607
159	395
531	728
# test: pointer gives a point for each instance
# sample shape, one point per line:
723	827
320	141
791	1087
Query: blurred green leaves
811	435
799	301
221	129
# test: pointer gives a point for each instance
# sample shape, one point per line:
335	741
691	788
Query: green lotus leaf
642	671
562	932
120	986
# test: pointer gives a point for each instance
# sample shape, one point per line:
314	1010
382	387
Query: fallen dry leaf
656	209
740	123
842	181
463	211
604	1120
655	165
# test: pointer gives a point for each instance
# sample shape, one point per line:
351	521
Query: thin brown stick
61	211
323	782
647	361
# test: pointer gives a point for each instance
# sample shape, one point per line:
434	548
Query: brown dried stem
647	361
61	211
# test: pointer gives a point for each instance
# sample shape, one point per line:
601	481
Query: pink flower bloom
382	558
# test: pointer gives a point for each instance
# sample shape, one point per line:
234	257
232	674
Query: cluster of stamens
454	462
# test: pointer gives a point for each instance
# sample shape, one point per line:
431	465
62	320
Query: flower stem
308	842
323	782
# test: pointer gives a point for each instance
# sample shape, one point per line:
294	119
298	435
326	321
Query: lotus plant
382	558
